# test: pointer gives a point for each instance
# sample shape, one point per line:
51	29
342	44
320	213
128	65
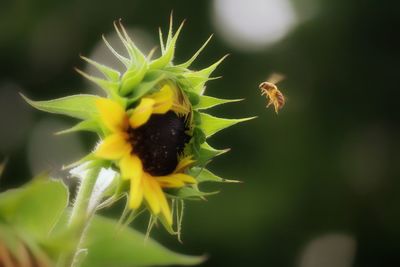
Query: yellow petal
150	187
113	147
112	115
136	193
131	167
183	177
163	100
170	182
142	112
184	163
165	210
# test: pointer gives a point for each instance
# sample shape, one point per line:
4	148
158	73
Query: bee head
267	86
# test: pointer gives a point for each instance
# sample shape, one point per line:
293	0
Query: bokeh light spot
253	25
329	250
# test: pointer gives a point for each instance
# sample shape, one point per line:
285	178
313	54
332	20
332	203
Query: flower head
151	124
145	157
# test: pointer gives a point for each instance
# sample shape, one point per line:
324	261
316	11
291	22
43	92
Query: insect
272	93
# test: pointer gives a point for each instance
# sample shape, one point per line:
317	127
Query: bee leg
276	106
269	103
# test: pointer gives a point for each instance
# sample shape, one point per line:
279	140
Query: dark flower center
159	142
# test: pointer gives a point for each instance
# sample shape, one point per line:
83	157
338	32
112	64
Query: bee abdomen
280	98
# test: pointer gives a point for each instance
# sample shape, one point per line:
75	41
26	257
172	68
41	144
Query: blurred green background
320	184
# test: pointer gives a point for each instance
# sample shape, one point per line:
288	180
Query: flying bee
272	93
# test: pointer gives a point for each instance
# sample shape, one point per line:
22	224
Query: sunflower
145	142
152	124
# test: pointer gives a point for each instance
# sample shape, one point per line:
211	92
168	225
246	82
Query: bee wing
276	78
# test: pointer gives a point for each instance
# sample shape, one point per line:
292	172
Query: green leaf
110	246
34	208
76	106
86	125
206	102
211	125
204	175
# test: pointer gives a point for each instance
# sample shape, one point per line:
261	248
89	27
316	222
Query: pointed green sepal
211	125
160	35
207	71
190	193
199	136
123	59
206	153
151	54
163	60
168	56
88	157
132	78
199	78
124	41
109	87
193	58
206	102
144	88
170	31
211	150
137	58
204	175
196	82
76	106
193	98
86	125
108	72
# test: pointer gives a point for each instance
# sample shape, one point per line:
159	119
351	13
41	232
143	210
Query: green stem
80	217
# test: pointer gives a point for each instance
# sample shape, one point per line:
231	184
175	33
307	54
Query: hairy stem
80	218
